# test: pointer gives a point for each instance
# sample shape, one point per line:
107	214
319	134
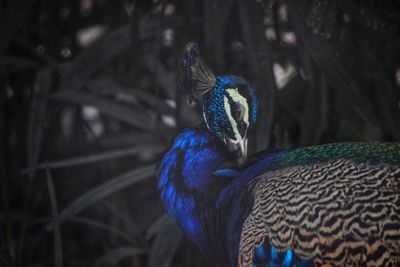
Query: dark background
89	102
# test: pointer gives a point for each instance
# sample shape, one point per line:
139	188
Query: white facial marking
238	98
238	143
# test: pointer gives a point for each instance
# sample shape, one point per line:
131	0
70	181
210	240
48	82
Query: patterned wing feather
341	212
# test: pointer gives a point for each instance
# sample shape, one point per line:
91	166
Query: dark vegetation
89	101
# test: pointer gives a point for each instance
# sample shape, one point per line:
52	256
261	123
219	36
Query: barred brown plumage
339	212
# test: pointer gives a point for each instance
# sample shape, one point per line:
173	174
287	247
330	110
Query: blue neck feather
185	173
210	204
190	188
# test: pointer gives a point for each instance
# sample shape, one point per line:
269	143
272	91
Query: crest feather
197	78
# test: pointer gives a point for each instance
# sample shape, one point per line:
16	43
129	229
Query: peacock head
229	102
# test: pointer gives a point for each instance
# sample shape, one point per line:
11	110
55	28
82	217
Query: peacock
325	205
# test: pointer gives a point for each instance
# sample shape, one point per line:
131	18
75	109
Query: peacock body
333	205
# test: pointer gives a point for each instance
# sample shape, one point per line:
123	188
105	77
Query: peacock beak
239	146
242	151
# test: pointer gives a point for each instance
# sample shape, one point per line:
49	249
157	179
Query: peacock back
336	204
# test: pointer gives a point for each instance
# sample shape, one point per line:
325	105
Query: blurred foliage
89	91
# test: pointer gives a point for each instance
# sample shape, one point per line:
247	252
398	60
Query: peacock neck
186	174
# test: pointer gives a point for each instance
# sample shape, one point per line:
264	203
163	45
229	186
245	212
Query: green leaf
76	73
58	255
165	245
126	222
104	226
37	116
108	155
107	86
137	118
98	193
131	138
157	226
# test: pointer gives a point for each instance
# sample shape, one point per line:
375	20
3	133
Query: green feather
374	153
